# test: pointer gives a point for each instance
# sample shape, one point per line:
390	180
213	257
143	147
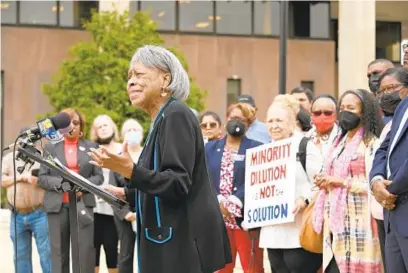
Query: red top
71	156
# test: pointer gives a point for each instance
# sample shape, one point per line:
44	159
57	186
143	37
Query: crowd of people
186	181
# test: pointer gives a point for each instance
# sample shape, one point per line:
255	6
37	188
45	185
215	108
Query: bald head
374	71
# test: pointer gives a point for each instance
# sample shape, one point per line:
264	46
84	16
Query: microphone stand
75	184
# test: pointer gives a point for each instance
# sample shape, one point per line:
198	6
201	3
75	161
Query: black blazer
185	232
48	179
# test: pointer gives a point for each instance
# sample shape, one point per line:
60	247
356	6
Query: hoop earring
81	134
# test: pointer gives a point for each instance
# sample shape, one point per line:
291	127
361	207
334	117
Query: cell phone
34	172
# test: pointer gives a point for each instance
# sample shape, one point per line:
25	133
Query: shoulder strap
302	151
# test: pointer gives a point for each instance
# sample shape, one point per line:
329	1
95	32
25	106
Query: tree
93	78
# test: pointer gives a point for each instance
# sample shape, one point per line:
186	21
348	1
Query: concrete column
356	43
119	5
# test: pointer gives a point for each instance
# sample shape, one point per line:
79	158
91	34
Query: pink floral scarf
338	165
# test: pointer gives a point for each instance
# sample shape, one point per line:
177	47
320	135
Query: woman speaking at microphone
179	224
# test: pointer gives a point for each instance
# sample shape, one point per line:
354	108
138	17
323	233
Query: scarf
340	156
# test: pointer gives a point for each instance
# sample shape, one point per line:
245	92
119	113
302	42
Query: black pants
106	235
127	239
381	235
295	260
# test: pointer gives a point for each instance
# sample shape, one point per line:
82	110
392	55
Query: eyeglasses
389	89
404	46
208	125
319	113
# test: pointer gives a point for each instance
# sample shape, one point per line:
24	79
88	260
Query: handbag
309	239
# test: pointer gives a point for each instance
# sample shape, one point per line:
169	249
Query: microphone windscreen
62	122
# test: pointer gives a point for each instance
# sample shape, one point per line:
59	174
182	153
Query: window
38	12
309	19
233	17
308	84
319	20
267	18
196	16
9	12
73	12
233	90
163	12
388	41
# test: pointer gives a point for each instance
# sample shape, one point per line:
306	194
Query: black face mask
105	141
348	120
374	82
235	128
389	103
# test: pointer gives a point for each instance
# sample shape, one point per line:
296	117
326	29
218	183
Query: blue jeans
34	223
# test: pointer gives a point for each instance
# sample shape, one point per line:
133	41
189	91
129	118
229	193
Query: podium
75	184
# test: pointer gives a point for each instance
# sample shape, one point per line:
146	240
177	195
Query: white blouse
286	236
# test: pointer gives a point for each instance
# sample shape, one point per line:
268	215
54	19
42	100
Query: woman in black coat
180	228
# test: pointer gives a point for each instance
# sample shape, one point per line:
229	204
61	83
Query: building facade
232	47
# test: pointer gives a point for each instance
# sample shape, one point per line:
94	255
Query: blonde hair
288	101
93	133
289	108
130	123
247	111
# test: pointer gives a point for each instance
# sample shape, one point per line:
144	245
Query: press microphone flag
51	128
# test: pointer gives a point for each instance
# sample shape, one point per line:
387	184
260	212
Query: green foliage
93	78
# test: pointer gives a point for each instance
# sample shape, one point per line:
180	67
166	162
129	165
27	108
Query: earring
81	135
163	92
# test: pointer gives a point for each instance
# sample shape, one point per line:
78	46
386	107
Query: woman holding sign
282	240
226	162
342	210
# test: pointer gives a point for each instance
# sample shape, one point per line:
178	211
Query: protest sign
270	184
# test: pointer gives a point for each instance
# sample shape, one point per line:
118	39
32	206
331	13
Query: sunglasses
209	125
319	113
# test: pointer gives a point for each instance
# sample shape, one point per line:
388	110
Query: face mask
323	123
105	141
134	138
348	120
374	83
389	103
235	128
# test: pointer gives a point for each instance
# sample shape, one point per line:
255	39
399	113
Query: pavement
6	251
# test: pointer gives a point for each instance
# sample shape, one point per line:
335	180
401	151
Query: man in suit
389	184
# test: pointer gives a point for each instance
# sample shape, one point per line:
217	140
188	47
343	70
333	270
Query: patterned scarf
340	156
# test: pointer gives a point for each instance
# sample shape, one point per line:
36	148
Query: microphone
51	128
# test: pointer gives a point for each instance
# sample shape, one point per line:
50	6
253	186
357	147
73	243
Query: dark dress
180	228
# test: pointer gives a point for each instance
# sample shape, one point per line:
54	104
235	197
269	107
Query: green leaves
93	78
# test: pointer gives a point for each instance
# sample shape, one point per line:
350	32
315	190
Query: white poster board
270	184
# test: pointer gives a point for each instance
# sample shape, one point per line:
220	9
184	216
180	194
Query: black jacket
185	233
48	179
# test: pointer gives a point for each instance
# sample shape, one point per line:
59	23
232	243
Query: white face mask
133	138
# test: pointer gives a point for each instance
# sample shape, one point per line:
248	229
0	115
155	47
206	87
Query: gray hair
162	59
